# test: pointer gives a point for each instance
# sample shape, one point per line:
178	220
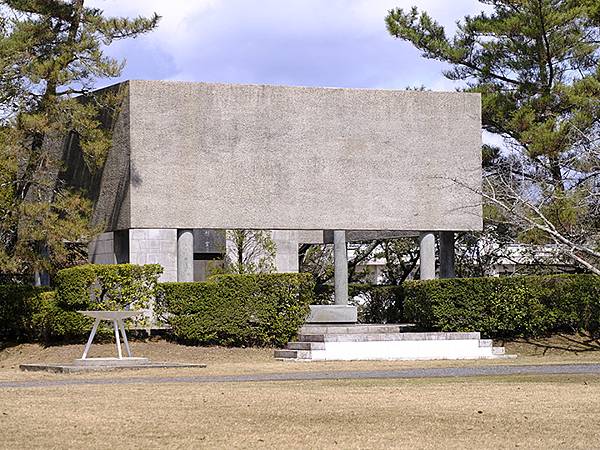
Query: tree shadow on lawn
573	343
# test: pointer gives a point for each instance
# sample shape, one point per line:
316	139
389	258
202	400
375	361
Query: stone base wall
155	246
102	249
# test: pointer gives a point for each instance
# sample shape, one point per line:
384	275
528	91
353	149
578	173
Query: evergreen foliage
537	65
51	55
506	307
239	310
19	304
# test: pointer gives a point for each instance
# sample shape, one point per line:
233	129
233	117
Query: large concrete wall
236	156
196	155
107	187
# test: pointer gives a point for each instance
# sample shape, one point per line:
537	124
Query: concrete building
189	159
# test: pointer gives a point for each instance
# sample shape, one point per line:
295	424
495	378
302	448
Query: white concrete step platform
358	328
385	342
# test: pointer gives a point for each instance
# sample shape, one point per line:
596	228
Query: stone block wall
101	250
155	246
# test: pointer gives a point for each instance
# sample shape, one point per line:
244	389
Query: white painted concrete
403	350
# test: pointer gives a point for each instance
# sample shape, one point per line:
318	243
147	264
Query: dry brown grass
233	361
497	412
530	412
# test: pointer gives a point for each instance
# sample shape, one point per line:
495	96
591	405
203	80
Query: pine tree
537	65
51	56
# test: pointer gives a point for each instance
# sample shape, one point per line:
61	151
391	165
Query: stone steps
386	342
363	337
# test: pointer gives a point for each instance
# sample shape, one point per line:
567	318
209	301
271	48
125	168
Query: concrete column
447	254
185	255
427	255
340	257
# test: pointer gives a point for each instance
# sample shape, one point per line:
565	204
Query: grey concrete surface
155	246
185	255
102	249
358	235
427	256
332	314
79	368
198	155
340	267
445	372
286	250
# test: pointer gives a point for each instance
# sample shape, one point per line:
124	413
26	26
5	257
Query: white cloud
301	42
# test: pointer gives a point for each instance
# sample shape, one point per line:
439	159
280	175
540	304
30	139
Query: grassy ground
498	412
232	361
529	412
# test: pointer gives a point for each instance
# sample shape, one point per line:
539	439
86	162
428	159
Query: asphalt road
446	372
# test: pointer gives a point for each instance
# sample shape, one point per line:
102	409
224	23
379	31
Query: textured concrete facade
197	155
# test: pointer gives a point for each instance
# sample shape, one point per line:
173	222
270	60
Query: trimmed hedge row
238	310
506	307
107	286
19	305
28	313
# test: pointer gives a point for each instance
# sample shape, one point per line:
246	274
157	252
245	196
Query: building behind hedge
190	159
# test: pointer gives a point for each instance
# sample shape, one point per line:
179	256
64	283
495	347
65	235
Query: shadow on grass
564	342
5	345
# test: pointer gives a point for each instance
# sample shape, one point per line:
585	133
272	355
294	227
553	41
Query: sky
333	43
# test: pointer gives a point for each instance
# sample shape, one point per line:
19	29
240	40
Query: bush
239	310
95	287
54	323
107	286
506	307
375	303
18	305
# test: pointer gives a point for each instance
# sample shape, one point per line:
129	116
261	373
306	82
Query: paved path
446	372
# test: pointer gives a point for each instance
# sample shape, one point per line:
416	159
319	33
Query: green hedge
107	286
375	303
506	307
18	305
28	313
93	287
56	324
238	310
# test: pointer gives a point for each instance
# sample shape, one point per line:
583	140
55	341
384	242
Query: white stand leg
90	339
125	341
118	340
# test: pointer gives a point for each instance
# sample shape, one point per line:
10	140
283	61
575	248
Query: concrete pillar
427	255
340	257
286	250
447	254
185	255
